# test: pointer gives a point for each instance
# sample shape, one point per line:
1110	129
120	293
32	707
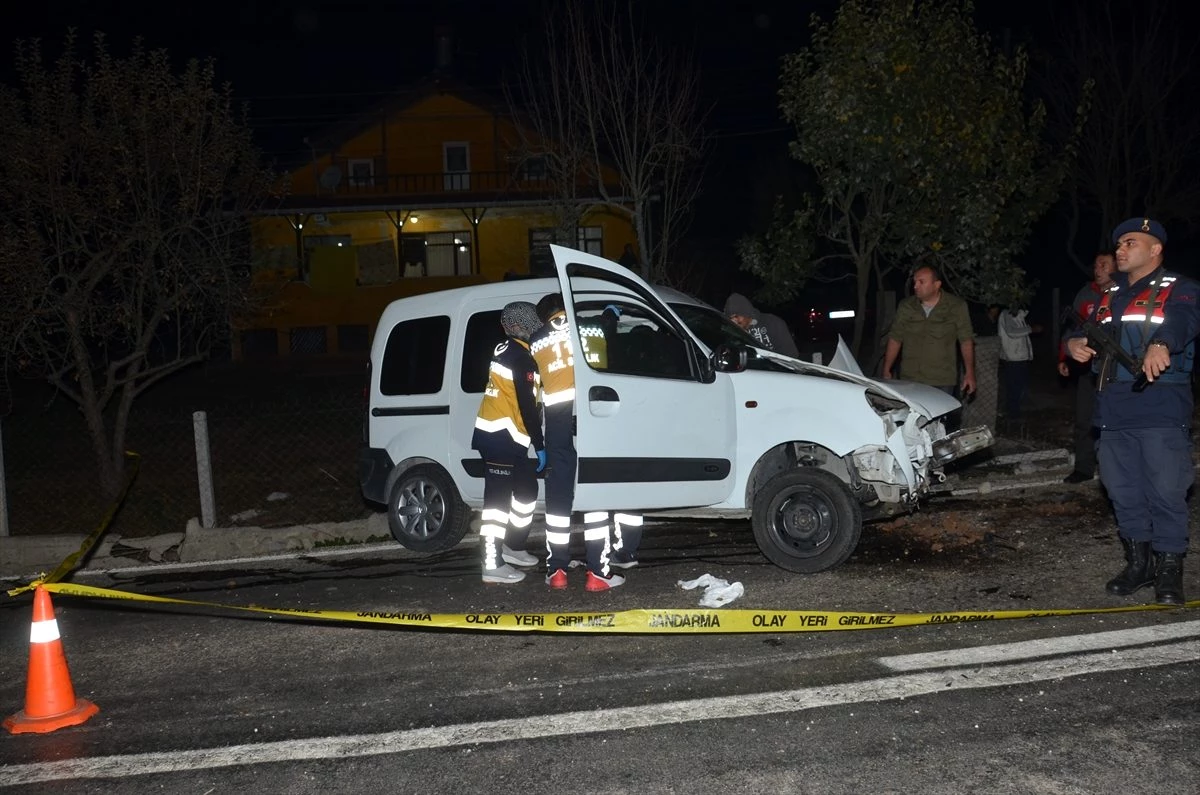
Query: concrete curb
25	557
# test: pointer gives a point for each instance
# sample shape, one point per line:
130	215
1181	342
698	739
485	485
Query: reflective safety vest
510	399
1136	325
552	350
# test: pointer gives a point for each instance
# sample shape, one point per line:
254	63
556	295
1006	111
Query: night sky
303	65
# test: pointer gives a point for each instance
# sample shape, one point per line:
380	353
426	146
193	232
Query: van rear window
414	361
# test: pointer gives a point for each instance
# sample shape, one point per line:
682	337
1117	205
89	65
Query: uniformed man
1145	447
509	422
553	350
1084	308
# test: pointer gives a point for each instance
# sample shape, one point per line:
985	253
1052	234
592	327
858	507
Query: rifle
1100	340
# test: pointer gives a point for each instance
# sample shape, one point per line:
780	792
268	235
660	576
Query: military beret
1145	225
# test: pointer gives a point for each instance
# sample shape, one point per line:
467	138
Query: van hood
928	400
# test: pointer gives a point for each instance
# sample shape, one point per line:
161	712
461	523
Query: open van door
656	424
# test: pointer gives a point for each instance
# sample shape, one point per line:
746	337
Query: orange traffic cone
50	701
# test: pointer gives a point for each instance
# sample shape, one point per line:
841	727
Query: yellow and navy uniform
553	350
509	419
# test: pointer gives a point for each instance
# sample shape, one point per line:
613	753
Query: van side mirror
730	358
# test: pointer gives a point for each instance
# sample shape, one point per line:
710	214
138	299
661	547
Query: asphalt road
200	699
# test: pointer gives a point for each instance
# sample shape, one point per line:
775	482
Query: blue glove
616	310
541	454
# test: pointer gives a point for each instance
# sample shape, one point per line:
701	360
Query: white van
687	419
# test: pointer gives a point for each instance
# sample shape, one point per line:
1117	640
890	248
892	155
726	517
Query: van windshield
714	328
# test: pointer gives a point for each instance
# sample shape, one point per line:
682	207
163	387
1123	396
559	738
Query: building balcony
437	189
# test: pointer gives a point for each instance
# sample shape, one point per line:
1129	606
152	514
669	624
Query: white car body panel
744	416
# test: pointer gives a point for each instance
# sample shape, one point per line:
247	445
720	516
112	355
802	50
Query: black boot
1168	582
1139	569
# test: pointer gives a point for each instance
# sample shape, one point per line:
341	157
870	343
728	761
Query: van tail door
655	424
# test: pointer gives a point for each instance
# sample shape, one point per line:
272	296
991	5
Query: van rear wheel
806	520
425	512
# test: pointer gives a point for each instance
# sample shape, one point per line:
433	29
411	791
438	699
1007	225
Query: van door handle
605	393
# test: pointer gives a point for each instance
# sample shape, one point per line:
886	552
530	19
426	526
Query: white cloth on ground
717	592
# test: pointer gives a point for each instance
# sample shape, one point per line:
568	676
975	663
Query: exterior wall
310	308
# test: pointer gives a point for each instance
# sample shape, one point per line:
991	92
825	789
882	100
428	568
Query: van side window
484	333
415	358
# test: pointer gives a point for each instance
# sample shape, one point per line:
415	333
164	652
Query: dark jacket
770	331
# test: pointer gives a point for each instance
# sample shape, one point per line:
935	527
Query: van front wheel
806	521
425	513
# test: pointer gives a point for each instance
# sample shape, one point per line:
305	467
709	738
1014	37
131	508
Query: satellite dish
331	177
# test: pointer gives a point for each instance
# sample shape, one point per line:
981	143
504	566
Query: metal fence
279	457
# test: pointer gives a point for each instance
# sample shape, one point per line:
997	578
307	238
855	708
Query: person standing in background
770	331
932	327
1016	352
1083	308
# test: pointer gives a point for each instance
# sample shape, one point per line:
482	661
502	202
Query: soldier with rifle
1143	348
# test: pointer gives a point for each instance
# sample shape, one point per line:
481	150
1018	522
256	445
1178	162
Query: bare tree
635	102
550	127
1137	152
124	247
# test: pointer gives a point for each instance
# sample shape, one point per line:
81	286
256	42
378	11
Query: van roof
449	301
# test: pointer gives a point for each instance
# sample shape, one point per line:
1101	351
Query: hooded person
508	424
770	331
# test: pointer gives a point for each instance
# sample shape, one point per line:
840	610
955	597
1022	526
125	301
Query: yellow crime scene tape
668	621
650	621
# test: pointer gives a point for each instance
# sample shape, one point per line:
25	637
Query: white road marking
1025	650
592	722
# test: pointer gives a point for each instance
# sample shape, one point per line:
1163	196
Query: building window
541	261
308	341
456	165
362	172
590	239
260	343
412	254
447	254
587	238
534	169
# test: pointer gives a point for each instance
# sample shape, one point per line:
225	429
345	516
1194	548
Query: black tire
425	512
806	520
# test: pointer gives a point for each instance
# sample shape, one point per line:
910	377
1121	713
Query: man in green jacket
932	327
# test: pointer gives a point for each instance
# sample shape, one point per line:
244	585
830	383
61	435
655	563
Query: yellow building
432	190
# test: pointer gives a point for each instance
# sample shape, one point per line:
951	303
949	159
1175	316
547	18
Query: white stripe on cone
43	631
